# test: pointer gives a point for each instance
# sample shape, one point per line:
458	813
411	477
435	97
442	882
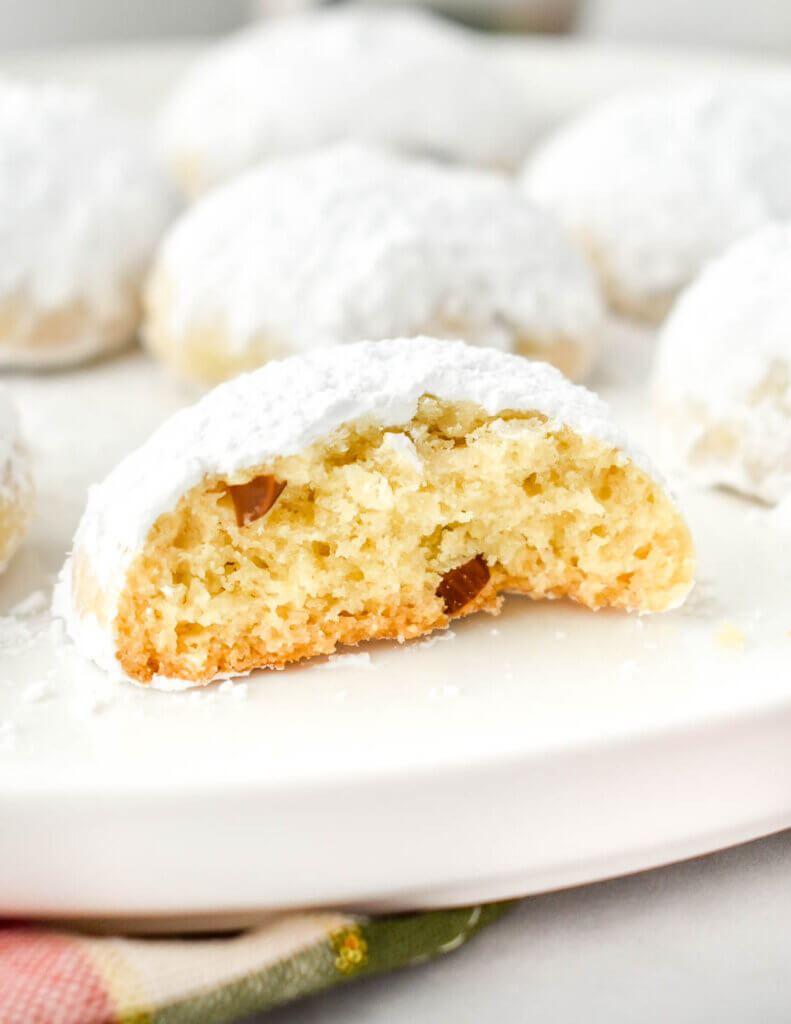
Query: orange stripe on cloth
49	979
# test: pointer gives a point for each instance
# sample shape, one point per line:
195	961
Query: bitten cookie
82	205
399	78
654	185
351	243
723	373
16	482
372	490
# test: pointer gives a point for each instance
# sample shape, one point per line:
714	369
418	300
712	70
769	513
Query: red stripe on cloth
49	979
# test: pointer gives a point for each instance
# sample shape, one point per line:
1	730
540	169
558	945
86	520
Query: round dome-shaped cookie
16	482
723	372
349	243
654	185
82	206
371	490
399	78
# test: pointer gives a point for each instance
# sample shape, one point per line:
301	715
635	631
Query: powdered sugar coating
351	242
655	184
723	373
16	481
401	78
280	410
82	205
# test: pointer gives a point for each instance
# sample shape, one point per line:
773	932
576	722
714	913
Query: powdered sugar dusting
84	201
39	691
16	481
352	243
355	661
723	374
35	603
8	735
655	184
781	516
391	77
230	688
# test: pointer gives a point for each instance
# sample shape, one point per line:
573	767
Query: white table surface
705	941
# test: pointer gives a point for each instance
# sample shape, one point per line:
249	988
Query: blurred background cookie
723	374
82	205
16	482
654	185
351	243
397	77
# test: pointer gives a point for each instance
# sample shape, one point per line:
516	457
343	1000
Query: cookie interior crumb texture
369	525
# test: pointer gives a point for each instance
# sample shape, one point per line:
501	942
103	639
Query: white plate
545	748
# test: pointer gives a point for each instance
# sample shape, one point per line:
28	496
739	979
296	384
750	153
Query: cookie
400	78
370	490
723	372
82	205
654	185
16	482
352	242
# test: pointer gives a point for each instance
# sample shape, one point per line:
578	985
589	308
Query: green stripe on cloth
357	950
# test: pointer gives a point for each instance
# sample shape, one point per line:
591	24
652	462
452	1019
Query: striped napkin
60	977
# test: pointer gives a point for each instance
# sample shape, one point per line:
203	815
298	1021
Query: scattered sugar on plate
15	633
84	705
229	688
57	631
36	692
362	660
8	735
442	692
201	697
436	638
33	604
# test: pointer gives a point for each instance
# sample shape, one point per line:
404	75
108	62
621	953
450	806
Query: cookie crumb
730	637
362	660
